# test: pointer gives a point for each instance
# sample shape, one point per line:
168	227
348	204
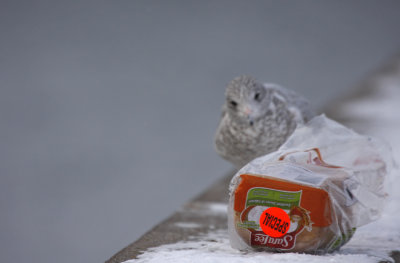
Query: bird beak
247	112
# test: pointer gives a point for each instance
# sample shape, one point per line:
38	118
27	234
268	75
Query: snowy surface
371	243
215	248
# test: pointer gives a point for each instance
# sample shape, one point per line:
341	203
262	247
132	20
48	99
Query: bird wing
297	104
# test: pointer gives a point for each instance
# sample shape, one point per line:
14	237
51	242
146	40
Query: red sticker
274	222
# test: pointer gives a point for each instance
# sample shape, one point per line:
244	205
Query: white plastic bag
326	177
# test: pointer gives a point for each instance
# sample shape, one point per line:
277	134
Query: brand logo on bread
261	239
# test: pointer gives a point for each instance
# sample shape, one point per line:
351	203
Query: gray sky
108	108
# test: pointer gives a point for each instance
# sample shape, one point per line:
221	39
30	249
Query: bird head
246	100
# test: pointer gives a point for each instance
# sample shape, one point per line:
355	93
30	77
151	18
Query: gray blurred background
108	108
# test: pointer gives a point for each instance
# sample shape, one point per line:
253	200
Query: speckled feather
257	119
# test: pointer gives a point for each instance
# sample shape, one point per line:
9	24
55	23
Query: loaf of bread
327	179
319	222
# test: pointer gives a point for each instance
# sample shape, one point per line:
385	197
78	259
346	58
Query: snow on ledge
215	248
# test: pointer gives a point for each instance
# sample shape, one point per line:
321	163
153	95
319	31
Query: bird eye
257	96
233	103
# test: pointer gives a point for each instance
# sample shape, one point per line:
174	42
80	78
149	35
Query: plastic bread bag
327	178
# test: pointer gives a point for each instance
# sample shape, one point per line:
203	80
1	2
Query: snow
371	243
215	247
218	207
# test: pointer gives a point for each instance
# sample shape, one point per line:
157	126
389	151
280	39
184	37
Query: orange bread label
266	191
